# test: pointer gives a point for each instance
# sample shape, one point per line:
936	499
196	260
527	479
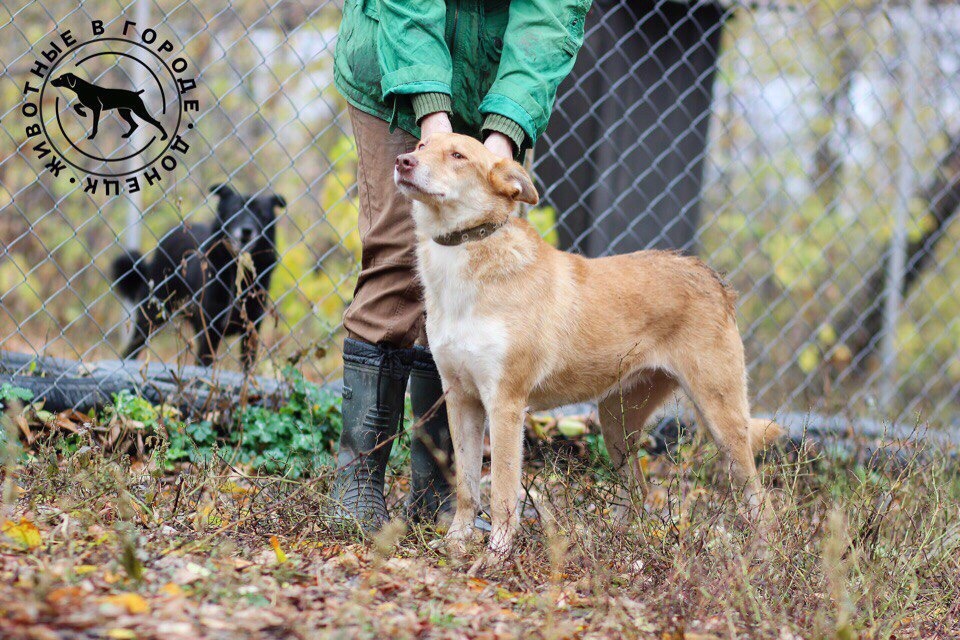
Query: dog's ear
71	80
510	179
223	190
278	200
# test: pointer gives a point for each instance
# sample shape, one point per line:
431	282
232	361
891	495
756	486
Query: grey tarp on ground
624	170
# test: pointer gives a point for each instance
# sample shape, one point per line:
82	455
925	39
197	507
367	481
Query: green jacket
493	64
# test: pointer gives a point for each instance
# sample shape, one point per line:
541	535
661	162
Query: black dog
98	99
202	270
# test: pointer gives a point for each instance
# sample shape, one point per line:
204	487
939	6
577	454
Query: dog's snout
406	162
246	234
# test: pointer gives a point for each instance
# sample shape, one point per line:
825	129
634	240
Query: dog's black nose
406	162
246	233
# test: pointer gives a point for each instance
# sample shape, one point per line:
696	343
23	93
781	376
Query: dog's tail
127	274
763	433
141	91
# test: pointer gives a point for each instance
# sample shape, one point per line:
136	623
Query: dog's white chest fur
469	347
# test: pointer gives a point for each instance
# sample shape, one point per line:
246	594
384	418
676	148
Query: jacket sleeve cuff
515	104
506	126
426	103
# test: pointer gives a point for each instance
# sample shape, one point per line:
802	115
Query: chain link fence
806	150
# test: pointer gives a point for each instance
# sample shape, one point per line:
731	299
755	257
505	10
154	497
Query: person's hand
500	145
438	122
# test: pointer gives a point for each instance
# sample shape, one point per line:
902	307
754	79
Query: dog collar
478	232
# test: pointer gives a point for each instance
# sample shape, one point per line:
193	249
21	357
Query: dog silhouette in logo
99	99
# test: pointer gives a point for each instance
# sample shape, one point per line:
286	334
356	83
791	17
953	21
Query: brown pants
387	304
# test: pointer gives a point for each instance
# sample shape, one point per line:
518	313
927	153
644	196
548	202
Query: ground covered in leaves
101	542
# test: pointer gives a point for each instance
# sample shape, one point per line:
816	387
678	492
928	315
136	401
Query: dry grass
120	549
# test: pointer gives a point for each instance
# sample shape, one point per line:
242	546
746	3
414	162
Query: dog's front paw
488	561
459	539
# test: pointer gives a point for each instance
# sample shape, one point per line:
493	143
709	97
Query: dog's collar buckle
479	232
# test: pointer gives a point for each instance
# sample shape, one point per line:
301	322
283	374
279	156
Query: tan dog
513	322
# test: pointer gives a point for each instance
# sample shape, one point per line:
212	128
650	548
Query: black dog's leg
125	114
208	341
141	111
96	122
251	314
79	109
142	328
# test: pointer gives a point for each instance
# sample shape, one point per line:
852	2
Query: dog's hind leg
141	111
623	416
716	382
125	114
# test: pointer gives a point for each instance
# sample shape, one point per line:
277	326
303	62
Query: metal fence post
908	136
132	235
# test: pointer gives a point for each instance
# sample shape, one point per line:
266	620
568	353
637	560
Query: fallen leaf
172	589
572	427
190	573
65	597
466	609
541	424
132	602
64	422
121	634
24	534
24	428
238	563
281	556
111	578
477	584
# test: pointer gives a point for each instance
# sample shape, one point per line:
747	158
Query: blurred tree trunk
836	120
862	324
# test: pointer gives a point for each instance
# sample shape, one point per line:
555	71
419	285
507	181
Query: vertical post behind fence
133	228
907	138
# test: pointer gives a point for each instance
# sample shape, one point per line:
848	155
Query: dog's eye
458	155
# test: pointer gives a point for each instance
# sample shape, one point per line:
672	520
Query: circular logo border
170	137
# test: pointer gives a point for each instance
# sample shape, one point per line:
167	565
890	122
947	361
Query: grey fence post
132	235
907	139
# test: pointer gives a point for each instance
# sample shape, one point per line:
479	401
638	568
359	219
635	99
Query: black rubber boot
431	450
374	384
